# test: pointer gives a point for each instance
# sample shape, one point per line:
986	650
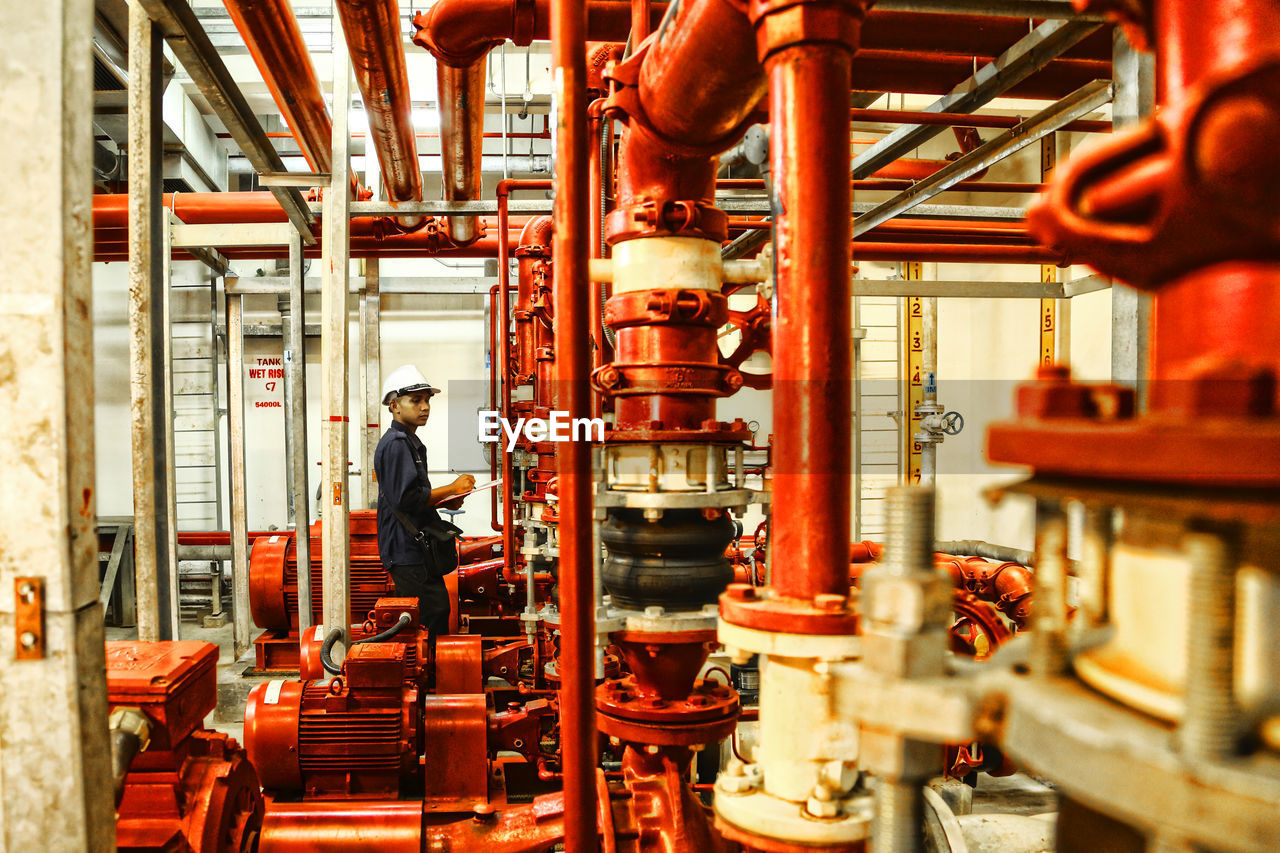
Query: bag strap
418	535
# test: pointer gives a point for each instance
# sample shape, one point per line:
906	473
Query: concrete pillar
55	780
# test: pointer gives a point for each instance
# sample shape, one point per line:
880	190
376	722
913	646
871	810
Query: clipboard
482	488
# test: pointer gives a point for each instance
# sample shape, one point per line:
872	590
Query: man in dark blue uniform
416	546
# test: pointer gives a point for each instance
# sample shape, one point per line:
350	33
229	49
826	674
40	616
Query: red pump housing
190	789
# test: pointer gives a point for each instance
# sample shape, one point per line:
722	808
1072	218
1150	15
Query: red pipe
461	99
811	392
695	87
957	254
494	524
938	73
372	30
541	134
601	191
641	12
572	368
894	185
966	120
973	35
503	192
271	33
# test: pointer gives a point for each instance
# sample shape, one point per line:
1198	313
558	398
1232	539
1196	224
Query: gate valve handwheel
952	423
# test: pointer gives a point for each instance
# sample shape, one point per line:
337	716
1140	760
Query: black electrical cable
326	648
401	624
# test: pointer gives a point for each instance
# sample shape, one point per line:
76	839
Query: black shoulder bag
435	537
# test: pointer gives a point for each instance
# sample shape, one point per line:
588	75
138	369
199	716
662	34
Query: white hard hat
405	380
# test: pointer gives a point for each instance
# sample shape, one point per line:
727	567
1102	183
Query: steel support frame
370	379
55	775
1135	82
334	346
182	235
242	627
1028	55
149	341
295	391
1081	102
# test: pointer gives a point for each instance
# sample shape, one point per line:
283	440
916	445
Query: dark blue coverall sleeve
398	478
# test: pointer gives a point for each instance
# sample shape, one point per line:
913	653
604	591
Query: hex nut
839	775
821	804
740	778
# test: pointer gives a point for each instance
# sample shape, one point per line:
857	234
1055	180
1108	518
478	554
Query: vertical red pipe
572	367
503	354
596	192
502	313
640	12
1240	29
461	98
493	407
812	385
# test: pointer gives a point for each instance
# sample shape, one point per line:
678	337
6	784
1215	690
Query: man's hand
456	503
463	484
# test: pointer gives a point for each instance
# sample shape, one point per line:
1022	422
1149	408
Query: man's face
412	409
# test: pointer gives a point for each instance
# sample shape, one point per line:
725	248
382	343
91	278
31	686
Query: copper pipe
811	389
461	93
372	31
271	33
572	367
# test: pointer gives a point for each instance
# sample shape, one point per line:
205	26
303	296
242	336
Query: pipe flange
756	608
765	822
658	620
741	643
726	499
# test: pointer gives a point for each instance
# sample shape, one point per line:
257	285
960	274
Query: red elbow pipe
459	34
372	30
